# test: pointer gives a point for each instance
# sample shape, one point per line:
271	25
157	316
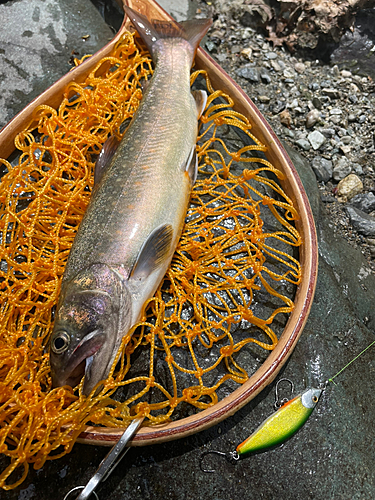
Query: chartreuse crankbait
278	427
281	425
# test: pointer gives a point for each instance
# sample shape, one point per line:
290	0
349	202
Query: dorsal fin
153	253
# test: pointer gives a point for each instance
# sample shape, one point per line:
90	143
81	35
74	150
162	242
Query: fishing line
350	362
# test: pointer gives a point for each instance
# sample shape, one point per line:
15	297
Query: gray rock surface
249	72
341	169
364	223
364	201
322	168
39	40
331	457
316	139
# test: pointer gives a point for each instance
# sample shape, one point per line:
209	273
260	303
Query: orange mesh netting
195	323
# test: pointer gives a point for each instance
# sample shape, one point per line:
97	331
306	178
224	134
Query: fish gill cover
222	303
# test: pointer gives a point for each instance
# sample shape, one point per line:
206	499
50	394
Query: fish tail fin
152	30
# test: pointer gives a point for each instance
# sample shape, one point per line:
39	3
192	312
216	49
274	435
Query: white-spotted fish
132	225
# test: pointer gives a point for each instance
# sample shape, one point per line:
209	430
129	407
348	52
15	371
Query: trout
135	216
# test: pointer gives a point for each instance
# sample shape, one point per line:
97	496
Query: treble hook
281	402
230	456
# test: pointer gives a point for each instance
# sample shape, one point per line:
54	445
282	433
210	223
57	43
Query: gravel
325	112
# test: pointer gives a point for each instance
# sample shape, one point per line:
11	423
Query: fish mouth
81	360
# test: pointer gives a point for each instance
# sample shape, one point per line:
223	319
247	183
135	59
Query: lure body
282	424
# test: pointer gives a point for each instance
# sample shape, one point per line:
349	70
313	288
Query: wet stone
264	99
277	107
276	66
341	169
285	118
349	187
322	168
55	30
364	201
265	76
316	139
317	103
332	93
312	118
304	144
271	55
362	222
300	67
249	72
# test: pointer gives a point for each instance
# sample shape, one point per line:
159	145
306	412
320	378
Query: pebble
285	118
247	52
264	98
349	187
322	168
316	139
354	89
364	201
325	112
210	46
336	71
317	103
300	67
346	139
288	74
265	76
312	118
363	223
328	132
276	66
332	93
345	149
341	169
277	107
249	72
304	144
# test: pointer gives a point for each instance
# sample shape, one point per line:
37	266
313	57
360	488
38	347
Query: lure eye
60	343
315	399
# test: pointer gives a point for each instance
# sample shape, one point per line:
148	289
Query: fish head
89	325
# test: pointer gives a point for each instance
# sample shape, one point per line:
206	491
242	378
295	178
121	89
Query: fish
133	222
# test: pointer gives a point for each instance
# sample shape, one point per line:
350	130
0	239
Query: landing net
205	314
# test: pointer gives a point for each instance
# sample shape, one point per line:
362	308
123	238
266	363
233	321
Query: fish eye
315	399
60	343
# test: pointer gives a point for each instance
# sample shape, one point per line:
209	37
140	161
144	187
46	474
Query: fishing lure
278	427
286	421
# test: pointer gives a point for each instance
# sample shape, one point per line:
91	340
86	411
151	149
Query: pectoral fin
154	252
200	97
108	150
191	166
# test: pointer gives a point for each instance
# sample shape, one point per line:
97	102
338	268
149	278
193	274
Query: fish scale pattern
225	259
